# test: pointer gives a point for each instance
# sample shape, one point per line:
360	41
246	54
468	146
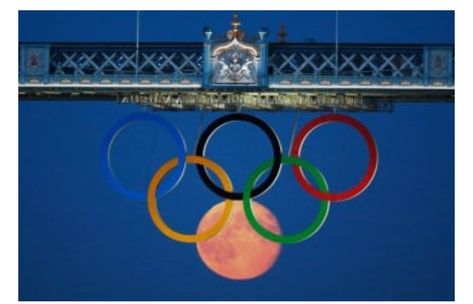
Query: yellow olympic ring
153	206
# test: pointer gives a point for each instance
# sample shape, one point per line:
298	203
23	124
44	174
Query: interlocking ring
316	223
177	166
277	154
153	208
372	163
169	183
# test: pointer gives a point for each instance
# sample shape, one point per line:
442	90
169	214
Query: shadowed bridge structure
233	72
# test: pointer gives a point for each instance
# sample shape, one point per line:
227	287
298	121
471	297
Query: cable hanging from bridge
294	129
199	129
336	44
334	110
137	53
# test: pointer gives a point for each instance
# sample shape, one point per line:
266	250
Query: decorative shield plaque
438	63
235	63
36	60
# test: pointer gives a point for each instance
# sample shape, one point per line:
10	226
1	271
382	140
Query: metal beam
296	76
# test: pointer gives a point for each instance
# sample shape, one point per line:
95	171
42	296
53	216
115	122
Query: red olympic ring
372	163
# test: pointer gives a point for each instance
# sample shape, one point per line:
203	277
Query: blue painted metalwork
234	72
118	64
207	63
440	64
35	61
281	65
426	65
264	53
357	65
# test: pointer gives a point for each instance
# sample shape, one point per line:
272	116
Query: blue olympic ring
174	177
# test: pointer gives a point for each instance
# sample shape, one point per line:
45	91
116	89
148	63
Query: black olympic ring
277	154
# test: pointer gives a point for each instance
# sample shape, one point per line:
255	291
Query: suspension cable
336	44
294	127
199	129
137	43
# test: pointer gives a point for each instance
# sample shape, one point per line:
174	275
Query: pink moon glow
237	252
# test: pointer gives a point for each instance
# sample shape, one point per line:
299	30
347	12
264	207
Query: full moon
237	252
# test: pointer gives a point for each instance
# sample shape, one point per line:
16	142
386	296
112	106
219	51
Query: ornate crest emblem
35	61
439	63
235	62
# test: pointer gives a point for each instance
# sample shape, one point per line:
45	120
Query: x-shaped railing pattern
109	62
350	63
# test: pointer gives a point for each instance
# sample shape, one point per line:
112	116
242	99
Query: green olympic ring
316	223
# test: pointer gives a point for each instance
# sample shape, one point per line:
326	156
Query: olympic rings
300	236
118	127
274	165
372	163
277	154
152	202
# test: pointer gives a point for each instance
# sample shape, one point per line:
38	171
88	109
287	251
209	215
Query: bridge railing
289	65
361	65
347	66
112	64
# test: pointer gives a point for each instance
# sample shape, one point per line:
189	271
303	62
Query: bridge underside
230	75
313	99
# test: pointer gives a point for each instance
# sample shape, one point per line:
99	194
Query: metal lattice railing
70	61
350	62
287	65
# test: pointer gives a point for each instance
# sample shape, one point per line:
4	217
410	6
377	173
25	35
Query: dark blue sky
81	240
370	27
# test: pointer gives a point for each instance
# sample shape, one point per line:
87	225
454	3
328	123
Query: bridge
232	72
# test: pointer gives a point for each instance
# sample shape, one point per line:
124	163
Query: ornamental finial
235	33
236	22
282	34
